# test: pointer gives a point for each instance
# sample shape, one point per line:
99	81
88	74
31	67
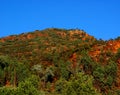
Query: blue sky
100	18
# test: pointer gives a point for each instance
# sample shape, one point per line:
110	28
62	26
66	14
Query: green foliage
81	84
105	75
111	68
28	87
4	69
88	63
12	71
64	72
49	74
8	91
98	73
117	55
59	86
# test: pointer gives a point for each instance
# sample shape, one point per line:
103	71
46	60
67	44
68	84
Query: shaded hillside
54	55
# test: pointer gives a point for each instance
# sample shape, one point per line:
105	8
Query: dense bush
80	84
27	87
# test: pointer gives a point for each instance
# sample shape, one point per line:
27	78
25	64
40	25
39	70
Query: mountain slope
38	43
66	53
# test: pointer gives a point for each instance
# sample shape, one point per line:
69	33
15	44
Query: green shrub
28	87
80	84
8	91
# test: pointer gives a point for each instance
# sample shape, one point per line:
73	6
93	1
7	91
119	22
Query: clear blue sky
100	18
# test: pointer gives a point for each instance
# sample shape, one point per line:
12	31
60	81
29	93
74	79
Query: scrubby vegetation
59	62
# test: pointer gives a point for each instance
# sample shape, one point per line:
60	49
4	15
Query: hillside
40	43
63	61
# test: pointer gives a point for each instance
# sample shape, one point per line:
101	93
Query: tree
87	62
80	85
29	86
8	91
105	75
12	71
4	73
64	72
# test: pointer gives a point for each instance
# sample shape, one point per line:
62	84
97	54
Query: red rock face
113	46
